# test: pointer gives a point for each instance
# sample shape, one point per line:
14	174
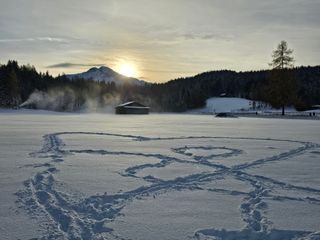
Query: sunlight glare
127	70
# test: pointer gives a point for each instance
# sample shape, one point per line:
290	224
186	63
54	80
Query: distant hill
183	94
105	74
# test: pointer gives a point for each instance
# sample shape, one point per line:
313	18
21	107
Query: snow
157	176
105	74
225	104
139	221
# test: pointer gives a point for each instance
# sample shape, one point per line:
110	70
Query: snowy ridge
105	74
76	217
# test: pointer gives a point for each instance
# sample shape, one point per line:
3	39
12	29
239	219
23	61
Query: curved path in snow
77	217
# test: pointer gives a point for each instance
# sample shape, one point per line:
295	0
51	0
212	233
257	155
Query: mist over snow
66	99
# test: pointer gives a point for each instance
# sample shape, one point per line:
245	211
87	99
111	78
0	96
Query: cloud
71	65
210	36
167	37
166	71
37	39
189	36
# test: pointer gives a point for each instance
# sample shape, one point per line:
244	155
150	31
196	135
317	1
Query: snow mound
225	104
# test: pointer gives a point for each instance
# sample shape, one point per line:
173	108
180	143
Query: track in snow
73	216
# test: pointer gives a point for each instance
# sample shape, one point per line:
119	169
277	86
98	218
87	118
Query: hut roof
132	104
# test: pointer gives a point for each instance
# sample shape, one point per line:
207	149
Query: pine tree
282	57
9	91
283	87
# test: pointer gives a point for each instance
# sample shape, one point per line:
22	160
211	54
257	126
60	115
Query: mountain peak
93	69
105	74
103	68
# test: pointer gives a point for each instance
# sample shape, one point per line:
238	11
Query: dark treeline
23	84
20	83
191	92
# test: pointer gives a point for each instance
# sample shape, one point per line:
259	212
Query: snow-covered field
158	176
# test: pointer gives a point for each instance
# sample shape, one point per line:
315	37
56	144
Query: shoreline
289	115
279	116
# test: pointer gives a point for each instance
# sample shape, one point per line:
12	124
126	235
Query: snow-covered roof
132	104
125	104
135	107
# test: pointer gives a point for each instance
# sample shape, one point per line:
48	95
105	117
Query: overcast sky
162	39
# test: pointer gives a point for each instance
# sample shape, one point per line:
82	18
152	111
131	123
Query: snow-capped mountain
107	75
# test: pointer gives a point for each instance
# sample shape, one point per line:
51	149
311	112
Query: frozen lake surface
158	176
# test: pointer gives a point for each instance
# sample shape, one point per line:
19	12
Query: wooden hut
132	108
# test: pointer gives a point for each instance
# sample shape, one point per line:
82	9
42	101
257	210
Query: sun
127	70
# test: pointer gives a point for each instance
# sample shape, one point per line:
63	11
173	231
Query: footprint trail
75	216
